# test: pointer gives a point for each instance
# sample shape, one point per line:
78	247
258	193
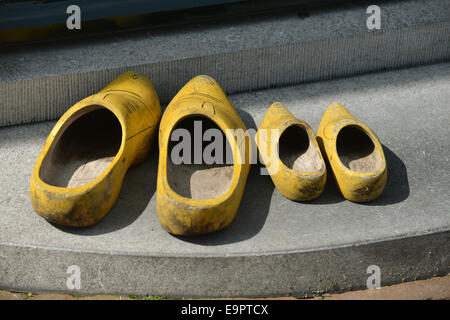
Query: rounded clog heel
199	190
79	172
355	154
289	150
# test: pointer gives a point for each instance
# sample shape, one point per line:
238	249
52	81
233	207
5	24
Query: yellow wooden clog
355	154
196	192
288	148
79	173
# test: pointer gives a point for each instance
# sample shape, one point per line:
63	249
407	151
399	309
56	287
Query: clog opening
356	150
84	147
200	160
297	152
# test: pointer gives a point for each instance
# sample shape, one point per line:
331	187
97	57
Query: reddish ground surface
431	289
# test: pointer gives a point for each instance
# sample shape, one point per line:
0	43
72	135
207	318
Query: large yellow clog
79	173
198	190
288	148
355	154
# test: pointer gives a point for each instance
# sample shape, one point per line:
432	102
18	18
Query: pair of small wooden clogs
294	156
80	170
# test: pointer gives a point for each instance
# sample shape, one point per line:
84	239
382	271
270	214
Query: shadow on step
396	190
256	202
140	186
251	216
397	185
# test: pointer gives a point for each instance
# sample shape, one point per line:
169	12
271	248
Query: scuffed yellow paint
294	185
133	100
354	186
186	216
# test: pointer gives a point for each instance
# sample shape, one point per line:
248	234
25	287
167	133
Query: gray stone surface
167	44
274	246
40	81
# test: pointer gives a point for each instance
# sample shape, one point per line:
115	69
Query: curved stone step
274	246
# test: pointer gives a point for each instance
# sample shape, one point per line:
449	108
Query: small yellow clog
198	190
289	150
79	172
355	154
